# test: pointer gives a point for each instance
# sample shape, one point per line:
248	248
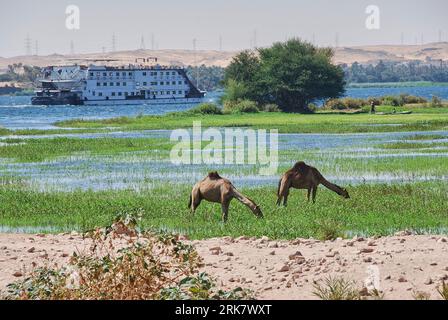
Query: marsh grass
4	131
372	210
34	150
426	137
284	122
412	145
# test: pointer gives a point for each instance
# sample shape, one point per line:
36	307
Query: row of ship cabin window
162	93
152	73
111	84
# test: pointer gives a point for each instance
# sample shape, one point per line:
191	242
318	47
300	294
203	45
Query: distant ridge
373	54
348	55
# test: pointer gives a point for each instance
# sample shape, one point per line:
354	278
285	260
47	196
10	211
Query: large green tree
291	74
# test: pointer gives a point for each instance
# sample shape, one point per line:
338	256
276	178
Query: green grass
4	131
415	108
284	122
427	137
372	210
412	145
34	150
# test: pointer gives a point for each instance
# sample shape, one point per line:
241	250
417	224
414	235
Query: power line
114	42
152	42
28	45
36	48
142	43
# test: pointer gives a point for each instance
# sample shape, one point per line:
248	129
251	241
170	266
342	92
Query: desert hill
361	54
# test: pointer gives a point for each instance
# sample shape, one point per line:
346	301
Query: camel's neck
332	186
244	200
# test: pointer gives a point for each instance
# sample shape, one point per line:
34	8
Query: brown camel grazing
302	176
214	188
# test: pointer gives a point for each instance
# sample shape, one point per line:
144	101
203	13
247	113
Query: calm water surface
18	113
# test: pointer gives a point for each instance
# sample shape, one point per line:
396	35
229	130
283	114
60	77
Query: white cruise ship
132	84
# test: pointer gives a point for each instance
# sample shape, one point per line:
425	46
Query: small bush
335	104
336	289
201	286
328	229
376	101
443	290
242	106
5	77
421	295
409	99
235	91
312	107
206	108
345	103
392	101
436	102
352	103
271	107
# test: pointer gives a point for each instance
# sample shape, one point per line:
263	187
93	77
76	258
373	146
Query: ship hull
51	101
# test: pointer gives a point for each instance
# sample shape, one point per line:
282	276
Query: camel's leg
279	193
195	199
285	197
283	191
195	204
225	209
308	194
314	194
279	199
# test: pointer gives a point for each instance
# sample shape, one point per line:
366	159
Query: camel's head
345	194
258	212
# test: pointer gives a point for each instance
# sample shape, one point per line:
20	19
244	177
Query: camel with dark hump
303	176
214	188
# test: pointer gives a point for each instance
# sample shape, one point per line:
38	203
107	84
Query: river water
18	113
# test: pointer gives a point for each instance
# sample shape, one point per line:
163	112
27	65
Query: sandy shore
401	265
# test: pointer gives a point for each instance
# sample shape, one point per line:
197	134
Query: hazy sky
175	23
